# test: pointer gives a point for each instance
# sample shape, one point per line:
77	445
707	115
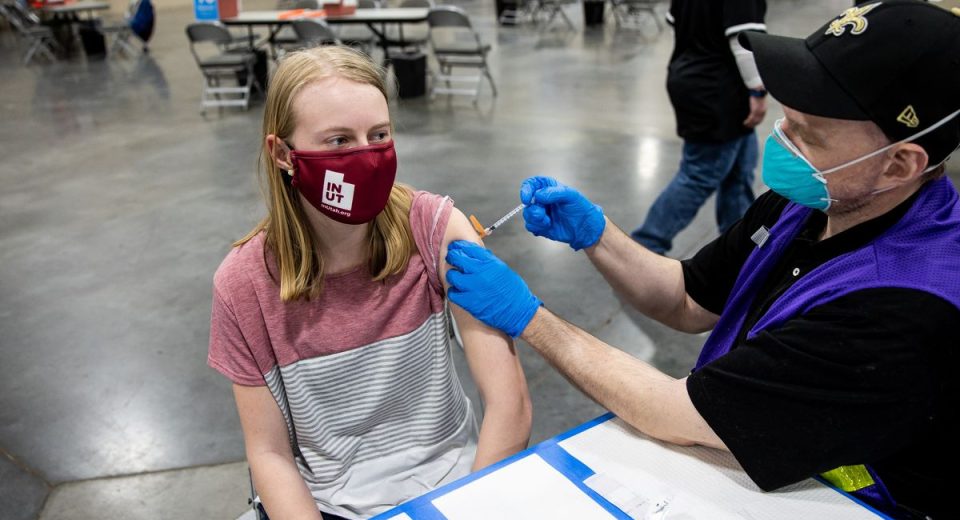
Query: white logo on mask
337	193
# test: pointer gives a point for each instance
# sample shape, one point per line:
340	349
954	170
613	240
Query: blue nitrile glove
560	213
488	289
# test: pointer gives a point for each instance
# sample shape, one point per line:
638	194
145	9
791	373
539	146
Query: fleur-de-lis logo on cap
909	117
855	17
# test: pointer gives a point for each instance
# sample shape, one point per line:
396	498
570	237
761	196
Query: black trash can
593	12
62	28
94	43
260	69
410	69
507	5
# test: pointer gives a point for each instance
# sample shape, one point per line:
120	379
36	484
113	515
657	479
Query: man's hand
488	289
560	213
758	109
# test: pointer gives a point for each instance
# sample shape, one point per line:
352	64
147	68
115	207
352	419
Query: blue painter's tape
416	509
576	472
865	505
583	427
562	461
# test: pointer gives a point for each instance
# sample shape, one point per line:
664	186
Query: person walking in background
718	99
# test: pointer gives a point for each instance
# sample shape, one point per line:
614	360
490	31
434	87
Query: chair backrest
448	16
142	18
27	17
418	3
21	9
311	31
214	32
16	19
306	4
8	16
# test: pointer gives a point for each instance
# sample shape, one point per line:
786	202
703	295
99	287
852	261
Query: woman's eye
339	141
381	136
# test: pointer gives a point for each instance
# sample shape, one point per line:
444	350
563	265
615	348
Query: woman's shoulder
425	199
241	265
427	210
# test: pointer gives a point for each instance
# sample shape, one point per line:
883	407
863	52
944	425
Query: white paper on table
400	516
528	488
702	482
651	505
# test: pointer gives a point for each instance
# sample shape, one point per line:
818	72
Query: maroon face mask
350	186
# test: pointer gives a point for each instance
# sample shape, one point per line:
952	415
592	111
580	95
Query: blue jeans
726	168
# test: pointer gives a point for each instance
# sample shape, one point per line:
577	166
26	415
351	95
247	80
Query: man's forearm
647	399
653	284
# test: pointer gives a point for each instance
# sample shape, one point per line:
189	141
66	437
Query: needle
484	232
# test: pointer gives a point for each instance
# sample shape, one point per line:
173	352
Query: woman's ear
279	151
908	161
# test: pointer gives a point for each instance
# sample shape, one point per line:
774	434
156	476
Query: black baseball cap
893	62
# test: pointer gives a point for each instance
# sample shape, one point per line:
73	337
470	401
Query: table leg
384	44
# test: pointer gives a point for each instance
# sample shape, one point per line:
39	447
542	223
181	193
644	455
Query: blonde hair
288	233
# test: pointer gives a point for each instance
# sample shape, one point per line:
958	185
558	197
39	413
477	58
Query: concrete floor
118	200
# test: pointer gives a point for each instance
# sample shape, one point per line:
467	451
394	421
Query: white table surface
605	462
387	15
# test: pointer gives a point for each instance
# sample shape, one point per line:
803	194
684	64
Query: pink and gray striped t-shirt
362	375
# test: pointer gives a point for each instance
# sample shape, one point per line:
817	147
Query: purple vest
921	251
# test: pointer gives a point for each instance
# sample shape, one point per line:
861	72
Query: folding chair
359	35
407	36
625	11
456	44
138	21
285	39
521	11
313	32
218	61
552	8
39	37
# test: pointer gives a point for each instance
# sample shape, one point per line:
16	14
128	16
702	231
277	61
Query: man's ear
908	160
279	151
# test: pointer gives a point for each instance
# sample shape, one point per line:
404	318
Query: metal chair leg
486	72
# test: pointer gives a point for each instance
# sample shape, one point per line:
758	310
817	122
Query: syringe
483	232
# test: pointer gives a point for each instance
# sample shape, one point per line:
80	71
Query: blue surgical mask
787	172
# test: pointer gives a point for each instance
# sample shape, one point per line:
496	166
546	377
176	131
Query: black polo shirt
864	379
704	84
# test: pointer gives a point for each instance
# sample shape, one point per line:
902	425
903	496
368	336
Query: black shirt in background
864	379
705	87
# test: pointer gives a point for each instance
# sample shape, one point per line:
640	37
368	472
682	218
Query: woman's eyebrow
342	129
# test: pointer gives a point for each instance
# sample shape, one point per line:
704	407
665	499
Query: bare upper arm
264	428
697	319
458	228
491	354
